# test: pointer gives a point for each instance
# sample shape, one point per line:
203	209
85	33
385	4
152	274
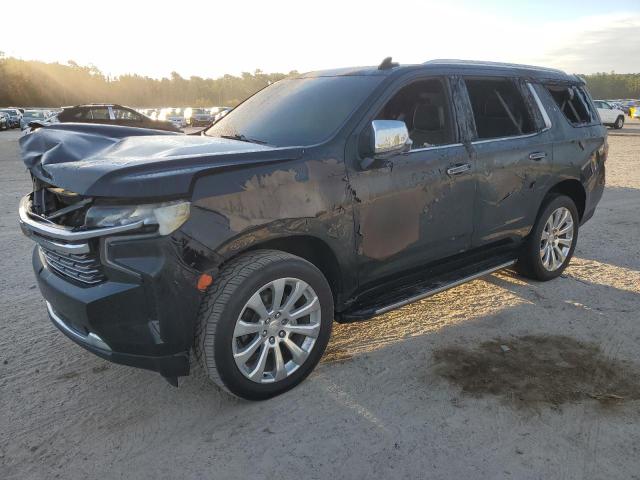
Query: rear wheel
552	241
619	123
264	324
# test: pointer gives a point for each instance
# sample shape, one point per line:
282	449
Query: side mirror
388	138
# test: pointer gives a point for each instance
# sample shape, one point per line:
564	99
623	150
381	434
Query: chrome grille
84	268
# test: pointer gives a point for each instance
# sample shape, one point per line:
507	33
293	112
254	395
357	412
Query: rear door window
499	108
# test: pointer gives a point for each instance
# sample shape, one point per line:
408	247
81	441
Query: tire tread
217	296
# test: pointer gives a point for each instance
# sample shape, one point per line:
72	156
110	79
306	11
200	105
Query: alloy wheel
276	330
556	239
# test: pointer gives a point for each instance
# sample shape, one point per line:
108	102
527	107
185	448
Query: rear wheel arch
574	190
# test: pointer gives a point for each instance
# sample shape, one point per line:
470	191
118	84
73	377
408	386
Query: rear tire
552	241
619	123
249	339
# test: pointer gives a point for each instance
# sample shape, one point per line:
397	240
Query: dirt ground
498	378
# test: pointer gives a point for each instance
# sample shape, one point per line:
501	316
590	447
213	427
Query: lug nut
284	321
277	315
281	333
272	339
264	333
268	321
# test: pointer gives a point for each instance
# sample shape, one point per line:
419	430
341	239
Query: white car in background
175	116
610	116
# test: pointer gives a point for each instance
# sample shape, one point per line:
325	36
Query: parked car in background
175	116
610	116
111	114
220	112
356	192
4	121
199	117
33	116
14	116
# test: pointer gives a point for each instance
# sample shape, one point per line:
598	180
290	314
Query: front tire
552	241
264	324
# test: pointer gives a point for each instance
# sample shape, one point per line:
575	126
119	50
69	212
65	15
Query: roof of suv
466	66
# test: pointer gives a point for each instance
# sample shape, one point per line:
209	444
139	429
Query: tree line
40	84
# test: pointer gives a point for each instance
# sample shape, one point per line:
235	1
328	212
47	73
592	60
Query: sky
210	38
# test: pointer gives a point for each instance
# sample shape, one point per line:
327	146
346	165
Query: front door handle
537	155
458	169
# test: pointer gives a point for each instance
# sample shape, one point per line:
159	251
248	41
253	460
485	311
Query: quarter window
123	114
499	109
572	102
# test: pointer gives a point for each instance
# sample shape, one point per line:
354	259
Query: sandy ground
377	407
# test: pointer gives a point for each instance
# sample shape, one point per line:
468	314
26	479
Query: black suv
339	195
112	114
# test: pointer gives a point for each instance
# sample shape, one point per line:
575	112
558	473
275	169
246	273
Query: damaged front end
114	276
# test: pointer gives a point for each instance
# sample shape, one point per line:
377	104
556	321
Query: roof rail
450	61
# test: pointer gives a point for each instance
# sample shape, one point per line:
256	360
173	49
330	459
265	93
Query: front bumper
143	310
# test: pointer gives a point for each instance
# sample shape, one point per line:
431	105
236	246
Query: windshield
302	111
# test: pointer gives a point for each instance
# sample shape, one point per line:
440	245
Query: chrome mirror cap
389	137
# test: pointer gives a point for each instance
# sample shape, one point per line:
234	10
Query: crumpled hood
114	161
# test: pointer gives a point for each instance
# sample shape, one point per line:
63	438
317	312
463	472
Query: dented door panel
513	175
412	211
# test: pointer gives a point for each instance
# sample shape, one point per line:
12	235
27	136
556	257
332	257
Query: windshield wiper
244	138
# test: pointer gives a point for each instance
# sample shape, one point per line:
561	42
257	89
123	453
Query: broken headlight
168	215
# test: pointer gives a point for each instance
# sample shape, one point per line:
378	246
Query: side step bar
365	313
442	288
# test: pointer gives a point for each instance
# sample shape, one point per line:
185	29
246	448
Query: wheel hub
556	239
276	330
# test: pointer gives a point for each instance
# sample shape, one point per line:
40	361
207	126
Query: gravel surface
376	407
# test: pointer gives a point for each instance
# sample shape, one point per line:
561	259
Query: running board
433	288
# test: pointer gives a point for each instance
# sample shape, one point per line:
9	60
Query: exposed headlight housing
168	216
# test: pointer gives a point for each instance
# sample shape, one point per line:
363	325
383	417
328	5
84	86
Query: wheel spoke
278	291
297	291
244	355
545	256
306	330
306	309
258	371
281	371
298	355
565	241
246	328
256	304
552	258
559	255
566	229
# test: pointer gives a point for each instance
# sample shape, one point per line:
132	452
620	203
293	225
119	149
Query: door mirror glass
389	138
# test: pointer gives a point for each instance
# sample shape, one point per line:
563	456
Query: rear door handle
537	155
458	169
